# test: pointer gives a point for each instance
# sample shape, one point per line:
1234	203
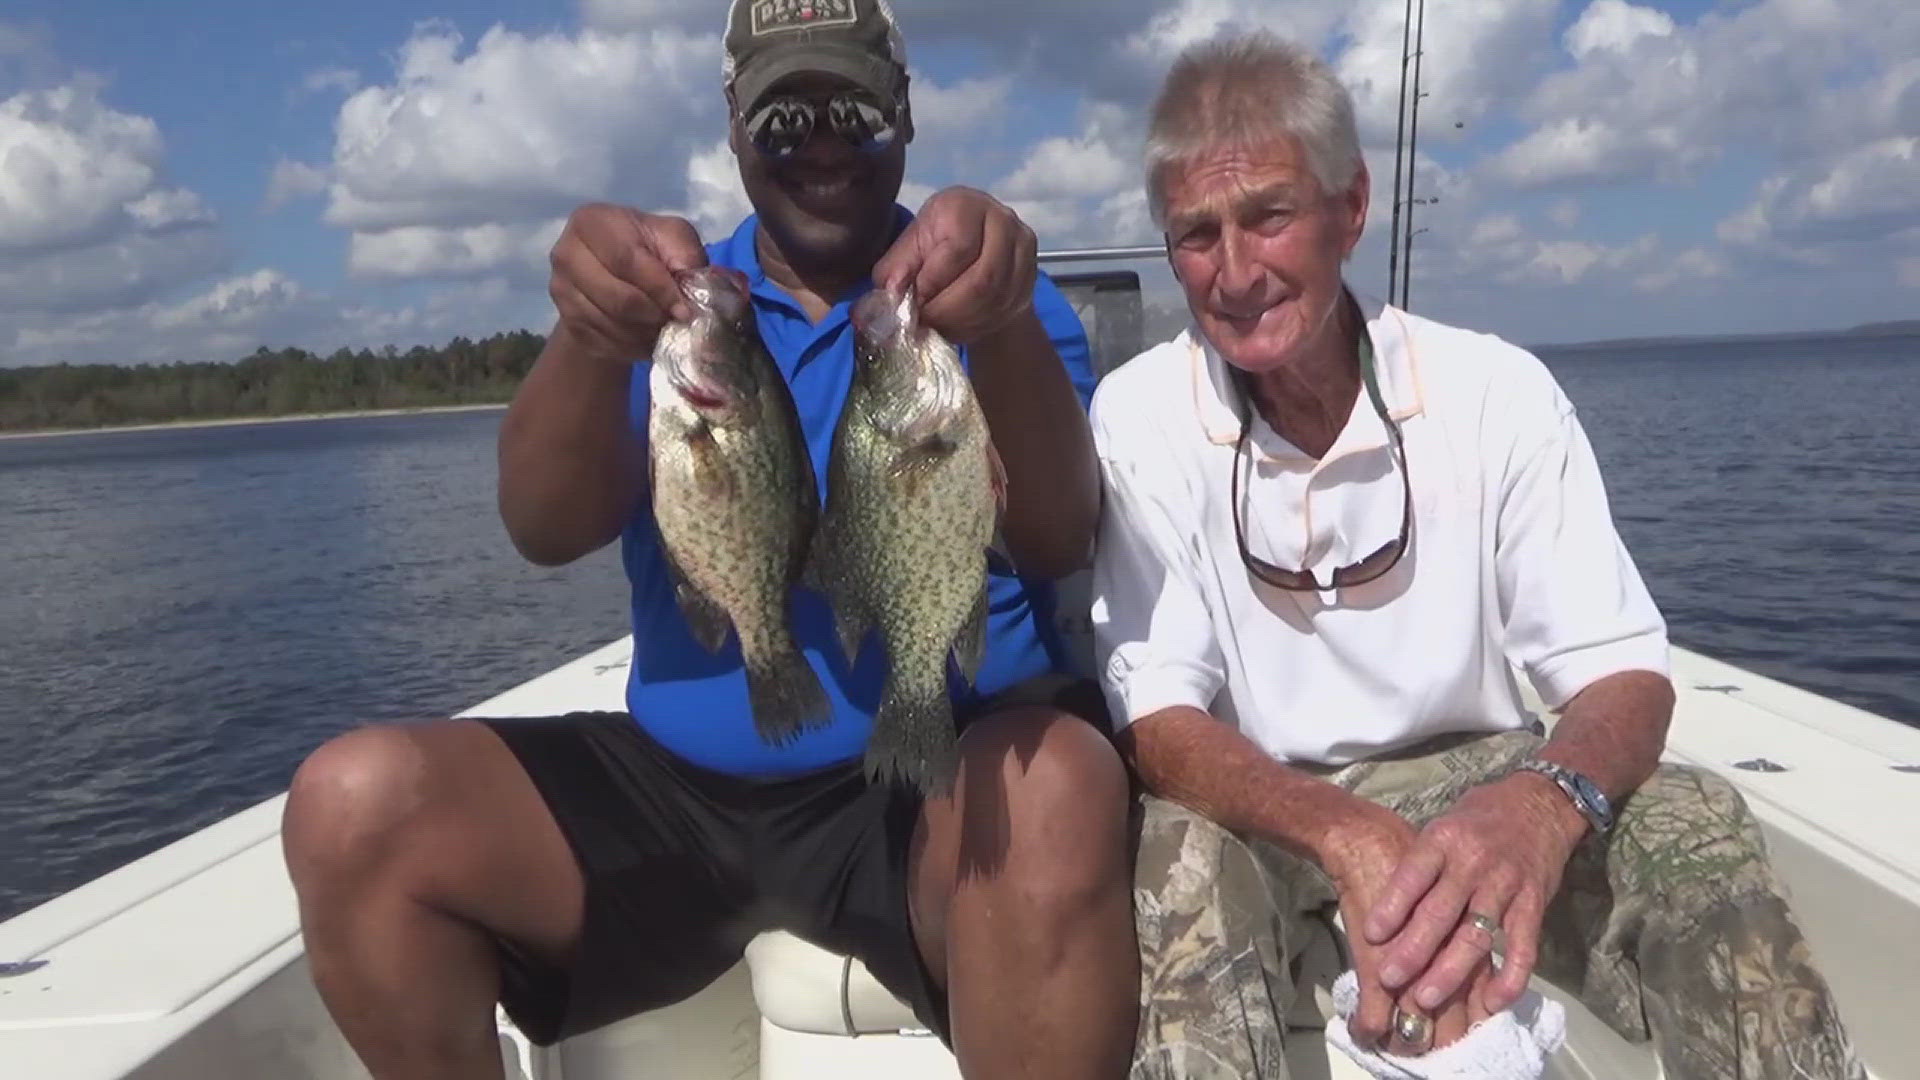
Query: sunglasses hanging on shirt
779	125
1372	567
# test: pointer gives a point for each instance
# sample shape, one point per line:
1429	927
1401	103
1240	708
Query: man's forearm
570	466
1186	756
1614	730
1041	431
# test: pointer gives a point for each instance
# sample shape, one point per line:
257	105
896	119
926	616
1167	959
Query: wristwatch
1587	796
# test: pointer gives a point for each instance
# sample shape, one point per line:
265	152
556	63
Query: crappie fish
913	493
733	494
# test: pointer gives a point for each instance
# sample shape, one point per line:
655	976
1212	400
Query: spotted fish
734	496
914	488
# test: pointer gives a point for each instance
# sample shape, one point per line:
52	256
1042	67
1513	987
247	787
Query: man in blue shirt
580	868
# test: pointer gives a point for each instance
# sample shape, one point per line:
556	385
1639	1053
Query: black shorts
683	866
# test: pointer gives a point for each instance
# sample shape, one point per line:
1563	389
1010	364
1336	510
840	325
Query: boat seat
802	987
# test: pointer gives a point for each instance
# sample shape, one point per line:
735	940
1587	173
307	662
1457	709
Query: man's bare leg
1022	901
403	842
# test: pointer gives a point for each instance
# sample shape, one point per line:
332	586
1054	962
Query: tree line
271	382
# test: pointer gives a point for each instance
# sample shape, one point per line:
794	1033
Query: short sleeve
1154	640
1572	602
1068	335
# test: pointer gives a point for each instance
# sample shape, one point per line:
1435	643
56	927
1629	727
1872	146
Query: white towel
1511	1045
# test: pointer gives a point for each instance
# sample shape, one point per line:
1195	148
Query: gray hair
1249	92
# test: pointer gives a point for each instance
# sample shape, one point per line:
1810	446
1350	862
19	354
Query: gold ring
1412	1029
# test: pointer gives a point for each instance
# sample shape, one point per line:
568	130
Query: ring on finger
1482	930
1412	1029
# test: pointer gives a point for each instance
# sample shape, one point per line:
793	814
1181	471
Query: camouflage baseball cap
767	40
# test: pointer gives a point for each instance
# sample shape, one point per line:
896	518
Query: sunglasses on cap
778	125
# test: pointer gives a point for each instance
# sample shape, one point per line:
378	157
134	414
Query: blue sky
191	179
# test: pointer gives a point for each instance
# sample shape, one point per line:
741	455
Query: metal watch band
1582	792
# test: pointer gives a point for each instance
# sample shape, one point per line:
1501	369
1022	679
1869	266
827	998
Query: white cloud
1864	200
1478	55
522	128
704	15
1695	264
71	167
87	217
113	272
336	80
1614	26
1646	97
460	162
716	200
229	303
231	317
1498	229
223	323
1069	168
948	114
516	248
292	180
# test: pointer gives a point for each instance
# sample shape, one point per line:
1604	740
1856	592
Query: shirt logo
776	16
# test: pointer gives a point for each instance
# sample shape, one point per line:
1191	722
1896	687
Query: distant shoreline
236	421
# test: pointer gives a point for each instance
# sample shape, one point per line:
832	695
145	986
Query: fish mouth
882	314
703	396
702	399
720	289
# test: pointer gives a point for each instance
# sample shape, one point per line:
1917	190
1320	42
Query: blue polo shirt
695	702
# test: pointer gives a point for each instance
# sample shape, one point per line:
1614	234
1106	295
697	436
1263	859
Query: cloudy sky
190	179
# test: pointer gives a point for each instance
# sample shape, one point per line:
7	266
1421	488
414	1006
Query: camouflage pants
1671	927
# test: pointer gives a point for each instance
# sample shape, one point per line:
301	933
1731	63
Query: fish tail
913	739
785	692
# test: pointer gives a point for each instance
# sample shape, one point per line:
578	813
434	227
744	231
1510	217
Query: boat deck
188	960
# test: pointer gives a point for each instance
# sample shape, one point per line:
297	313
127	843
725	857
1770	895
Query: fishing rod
1413	142
1406	142
1399	156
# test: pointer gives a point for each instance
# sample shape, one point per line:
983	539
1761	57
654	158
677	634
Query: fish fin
785	693
970	645
710	470
813	564
807	492
914	741
1000	556
707	621
997	476
851	621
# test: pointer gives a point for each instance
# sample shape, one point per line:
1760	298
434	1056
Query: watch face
1592	796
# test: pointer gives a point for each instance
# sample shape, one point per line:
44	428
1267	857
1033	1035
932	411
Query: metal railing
1153	251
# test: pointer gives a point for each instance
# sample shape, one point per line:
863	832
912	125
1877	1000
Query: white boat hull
187	964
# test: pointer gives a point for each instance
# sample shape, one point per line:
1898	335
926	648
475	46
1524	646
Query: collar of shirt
1298	511
741	252
1216	401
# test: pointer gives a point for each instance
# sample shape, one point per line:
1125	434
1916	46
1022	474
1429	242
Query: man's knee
1694	802
1053	788
1702	844
351	802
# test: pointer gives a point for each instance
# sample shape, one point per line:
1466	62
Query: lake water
185	613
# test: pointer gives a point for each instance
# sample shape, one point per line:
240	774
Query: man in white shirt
1333	531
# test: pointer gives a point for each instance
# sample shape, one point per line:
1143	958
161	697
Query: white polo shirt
1514	563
